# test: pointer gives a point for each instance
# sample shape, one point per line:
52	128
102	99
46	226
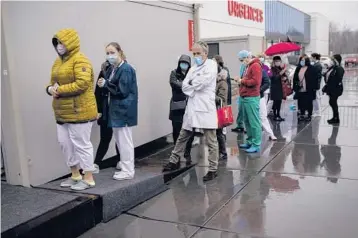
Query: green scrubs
252	120
239	119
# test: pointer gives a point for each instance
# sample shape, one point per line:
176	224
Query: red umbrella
282	48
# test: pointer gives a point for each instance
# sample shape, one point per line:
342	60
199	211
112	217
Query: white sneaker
69	182
96	169
122	176
316	114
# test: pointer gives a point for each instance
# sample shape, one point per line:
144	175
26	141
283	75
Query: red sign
245	11
191	33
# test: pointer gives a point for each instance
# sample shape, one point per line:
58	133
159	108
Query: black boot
210	176
238	129
171	166
334	120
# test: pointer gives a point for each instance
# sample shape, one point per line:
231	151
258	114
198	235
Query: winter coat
265	83
311	82
267	69
102	96
229	88
74	74
334	84
123	96
221	89
176	81
318	68
200	85
276	90
251	81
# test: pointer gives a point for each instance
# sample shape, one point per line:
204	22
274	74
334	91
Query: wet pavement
305	185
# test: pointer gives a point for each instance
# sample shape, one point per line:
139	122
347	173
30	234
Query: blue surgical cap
243	54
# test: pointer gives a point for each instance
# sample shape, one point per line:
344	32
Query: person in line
318	66
200	113
334	85
220	61
74	106
221	101
120	82
305	85
276	89
106	132
250	100
265	85
239	119
265	67
179	100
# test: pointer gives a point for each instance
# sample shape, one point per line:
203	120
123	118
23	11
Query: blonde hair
119	49
202	45
261	55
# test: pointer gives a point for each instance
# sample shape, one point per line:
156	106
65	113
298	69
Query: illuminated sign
244	11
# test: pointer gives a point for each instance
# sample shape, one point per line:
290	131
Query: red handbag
225	117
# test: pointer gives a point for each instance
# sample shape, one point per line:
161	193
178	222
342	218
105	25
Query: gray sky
342	12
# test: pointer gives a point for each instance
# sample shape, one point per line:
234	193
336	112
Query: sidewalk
305	185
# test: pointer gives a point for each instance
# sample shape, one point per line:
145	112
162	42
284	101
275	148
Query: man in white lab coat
200	113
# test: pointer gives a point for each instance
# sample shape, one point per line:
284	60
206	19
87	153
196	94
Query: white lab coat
200	111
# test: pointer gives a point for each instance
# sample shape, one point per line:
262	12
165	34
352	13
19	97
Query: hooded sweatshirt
176	79
251	81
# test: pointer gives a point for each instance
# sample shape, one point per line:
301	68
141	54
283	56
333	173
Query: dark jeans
305	103
106	137
221	141
176	131
276	107
334	105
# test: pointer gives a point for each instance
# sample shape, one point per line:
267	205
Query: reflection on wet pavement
305	185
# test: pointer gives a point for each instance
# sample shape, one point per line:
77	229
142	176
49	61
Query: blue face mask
198	60
184	66
302	63
112	59
312	63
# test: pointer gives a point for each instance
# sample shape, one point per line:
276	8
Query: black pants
276	107
106	137
334	105
176	131
305	103
221	141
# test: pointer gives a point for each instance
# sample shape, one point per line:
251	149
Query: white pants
75	142
124	141
317	103
263	115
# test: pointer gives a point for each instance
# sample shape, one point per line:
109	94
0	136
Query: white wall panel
152	38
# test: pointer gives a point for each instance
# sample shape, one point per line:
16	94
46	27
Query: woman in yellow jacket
74	105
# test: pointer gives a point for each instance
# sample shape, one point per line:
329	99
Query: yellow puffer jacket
74	73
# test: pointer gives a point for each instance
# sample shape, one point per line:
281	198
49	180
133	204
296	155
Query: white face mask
262	60
61	49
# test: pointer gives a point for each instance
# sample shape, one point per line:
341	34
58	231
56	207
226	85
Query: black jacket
276	91
102	95
229	92
334	84
176	81
311	81
318	68
265	83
